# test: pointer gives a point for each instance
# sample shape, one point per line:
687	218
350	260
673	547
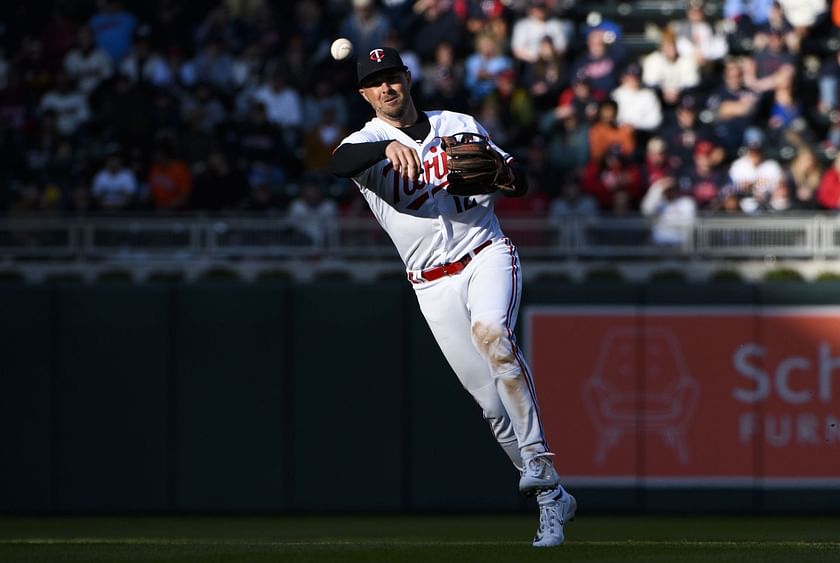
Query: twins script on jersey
429	227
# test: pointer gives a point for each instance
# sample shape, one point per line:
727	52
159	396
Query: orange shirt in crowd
602	136
170	184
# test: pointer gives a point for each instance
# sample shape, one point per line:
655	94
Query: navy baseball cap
379	59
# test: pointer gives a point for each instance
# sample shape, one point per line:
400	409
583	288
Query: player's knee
493	341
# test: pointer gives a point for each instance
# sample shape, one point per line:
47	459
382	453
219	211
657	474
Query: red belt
449	269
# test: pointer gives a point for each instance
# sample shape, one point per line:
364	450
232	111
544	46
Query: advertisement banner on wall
689	395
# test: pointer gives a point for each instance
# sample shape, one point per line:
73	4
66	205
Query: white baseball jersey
428	226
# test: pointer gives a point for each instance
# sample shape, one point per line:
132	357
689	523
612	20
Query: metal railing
221	238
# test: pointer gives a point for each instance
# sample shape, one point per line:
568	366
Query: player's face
388	93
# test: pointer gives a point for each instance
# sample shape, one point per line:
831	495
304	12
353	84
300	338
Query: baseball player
464	271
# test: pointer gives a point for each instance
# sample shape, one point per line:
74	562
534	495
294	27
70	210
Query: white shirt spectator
70	107
114	188
89	68
802	13
670	75
283	107
529	31
698	38
673	213
638	107
758	177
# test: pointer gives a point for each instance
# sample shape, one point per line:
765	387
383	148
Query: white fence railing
183	238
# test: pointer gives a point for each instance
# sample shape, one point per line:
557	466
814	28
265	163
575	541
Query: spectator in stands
672	210
776	23
433	22
753	176
443	86
313	214
446	91
214	66
219	186
696	39
747	15
685	132
572	202
656	164
803	15
669	72
638	106
320	98
283	105
320	142
606	132
247	64
208	103
475	16
597	64
568	141
546	76
484	66
733	106
829	85
804	176
87	64
123	111
785	110
259	140
828	194
366	27
113	28
531	30
770	67
703	180
615	172
143	63
69	104
115	185
579	100
170	179
513	106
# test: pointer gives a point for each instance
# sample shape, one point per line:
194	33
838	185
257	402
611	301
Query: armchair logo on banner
687	395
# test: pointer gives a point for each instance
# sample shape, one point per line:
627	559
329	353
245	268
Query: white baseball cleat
538	475
554	513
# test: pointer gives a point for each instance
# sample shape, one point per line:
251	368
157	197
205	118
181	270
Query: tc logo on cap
377	55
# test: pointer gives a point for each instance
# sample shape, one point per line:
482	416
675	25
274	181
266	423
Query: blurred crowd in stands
670	109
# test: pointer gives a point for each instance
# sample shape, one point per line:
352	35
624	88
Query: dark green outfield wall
278	397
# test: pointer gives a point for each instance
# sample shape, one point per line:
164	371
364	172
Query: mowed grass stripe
404	542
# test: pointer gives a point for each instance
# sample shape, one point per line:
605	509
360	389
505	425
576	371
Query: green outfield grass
433	539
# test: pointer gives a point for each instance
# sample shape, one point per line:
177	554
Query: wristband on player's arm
350	159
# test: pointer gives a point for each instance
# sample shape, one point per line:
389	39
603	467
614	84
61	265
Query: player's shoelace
549	518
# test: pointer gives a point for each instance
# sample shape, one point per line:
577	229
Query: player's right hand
405	159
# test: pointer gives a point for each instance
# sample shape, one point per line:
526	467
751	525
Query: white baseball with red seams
471	314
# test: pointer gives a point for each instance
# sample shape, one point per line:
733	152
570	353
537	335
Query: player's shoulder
372	131
447	122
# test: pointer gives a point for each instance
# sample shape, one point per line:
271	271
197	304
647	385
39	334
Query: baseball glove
475	167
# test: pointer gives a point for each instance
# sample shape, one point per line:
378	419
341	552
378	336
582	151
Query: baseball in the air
341	48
